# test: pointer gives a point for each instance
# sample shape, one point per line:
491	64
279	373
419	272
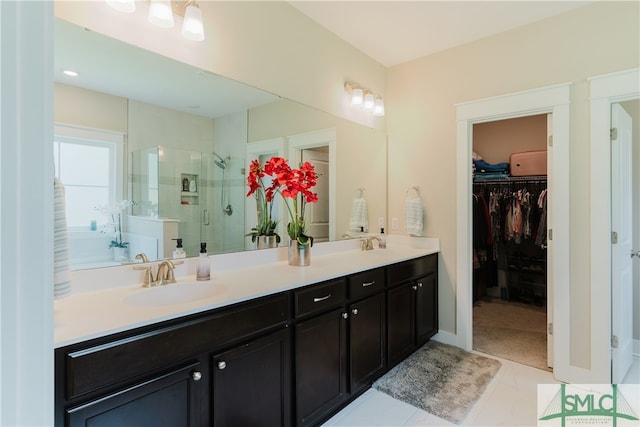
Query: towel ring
361	190
416	188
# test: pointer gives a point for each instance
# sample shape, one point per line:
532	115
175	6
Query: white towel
413	216
359	215
61	266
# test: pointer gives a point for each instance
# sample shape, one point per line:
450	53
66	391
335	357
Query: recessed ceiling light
70	73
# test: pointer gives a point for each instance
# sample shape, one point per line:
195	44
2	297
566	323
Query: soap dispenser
203	271
178	252
383	240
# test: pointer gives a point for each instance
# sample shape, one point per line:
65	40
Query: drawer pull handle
365	284
222	364
196	375
320	299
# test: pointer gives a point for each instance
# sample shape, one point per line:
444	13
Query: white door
317	214
550	258
622	238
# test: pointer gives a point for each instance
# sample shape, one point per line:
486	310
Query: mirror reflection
176	141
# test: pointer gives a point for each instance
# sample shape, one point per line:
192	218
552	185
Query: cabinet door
401	325
320	366
252	383
426	308
367	333
171	400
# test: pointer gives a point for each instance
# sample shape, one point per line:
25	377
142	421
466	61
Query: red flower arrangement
293	184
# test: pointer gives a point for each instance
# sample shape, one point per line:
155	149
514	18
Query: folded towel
359	216
413	216
61	265
488	167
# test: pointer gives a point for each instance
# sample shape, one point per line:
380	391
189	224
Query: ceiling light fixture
161	13
365	98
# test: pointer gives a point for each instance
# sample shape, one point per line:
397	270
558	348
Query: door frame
320	138
605	90
555	100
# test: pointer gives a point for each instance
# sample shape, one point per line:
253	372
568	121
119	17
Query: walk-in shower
224	193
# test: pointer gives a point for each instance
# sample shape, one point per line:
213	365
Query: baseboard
446	338
636	348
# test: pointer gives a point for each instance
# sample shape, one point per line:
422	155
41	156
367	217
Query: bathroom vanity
277	345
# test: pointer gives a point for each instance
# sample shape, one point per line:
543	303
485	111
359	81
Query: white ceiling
393	32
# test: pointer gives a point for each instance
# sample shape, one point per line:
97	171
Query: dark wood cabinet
367	337
293	358
321	366
412	306
252	383
172	399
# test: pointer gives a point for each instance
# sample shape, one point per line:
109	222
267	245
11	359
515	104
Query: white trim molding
605	90
555	100
26	218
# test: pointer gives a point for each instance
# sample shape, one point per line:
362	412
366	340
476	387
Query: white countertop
98	312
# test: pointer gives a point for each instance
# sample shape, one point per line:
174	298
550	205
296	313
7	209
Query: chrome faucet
367	243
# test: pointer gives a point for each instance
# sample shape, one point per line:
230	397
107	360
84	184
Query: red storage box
528	163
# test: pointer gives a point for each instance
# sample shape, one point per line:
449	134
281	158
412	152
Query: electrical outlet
395	224
380	221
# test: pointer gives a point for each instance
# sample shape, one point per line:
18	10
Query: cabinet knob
414	287
345	315
196	375
222	364
354	311
420	284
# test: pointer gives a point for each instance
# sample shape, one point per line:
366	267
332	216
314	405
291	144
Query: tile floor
510	399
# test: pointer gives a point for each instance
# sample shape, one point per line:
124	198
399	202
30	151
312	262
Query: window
89	163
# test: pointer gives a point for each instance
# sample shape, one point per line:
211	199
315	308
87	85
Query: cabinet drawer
407	270
366	283
107	364
320	297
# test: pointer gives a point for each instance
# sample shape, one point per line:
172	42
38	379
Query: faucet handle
147	280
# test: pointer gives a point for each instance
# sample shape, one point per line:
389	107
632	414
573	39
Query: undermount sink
176	293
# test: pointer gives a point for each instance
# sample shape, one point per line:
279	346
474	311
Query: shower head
219	161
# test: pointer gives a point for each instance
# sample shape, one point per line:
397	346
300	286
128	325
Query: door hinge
550	328
550	234
614	341
614	134
550	140
614	237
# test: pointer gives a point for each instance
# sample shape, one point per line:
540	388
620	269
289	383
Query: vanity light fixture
127	6
368	101
365	98
70	73
378	108
161	13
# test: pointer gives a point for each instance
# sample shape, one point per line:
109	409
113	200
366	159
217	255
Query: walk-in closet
510	239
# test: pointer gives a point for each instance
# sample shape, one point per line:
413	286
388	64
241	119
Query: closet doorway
509	279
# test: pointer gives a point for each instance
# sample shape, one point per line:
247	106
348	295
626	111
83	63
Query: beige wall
82	107
421	122
496	141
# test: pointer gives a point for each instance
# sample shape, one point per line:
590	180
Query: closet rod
512	179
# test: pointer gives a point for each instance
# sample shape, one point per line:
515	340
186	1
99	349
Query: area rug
440	379
516	332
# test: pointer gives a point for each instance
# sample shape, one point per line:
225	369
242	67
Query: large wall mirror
176	141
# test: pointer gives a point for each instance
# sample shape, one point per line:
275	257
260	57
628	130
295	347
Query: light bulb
369	101
378	109
356	96
160	13
192	27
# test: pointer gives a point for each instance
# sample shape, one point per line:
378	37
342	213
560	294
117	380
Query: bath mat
440	379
